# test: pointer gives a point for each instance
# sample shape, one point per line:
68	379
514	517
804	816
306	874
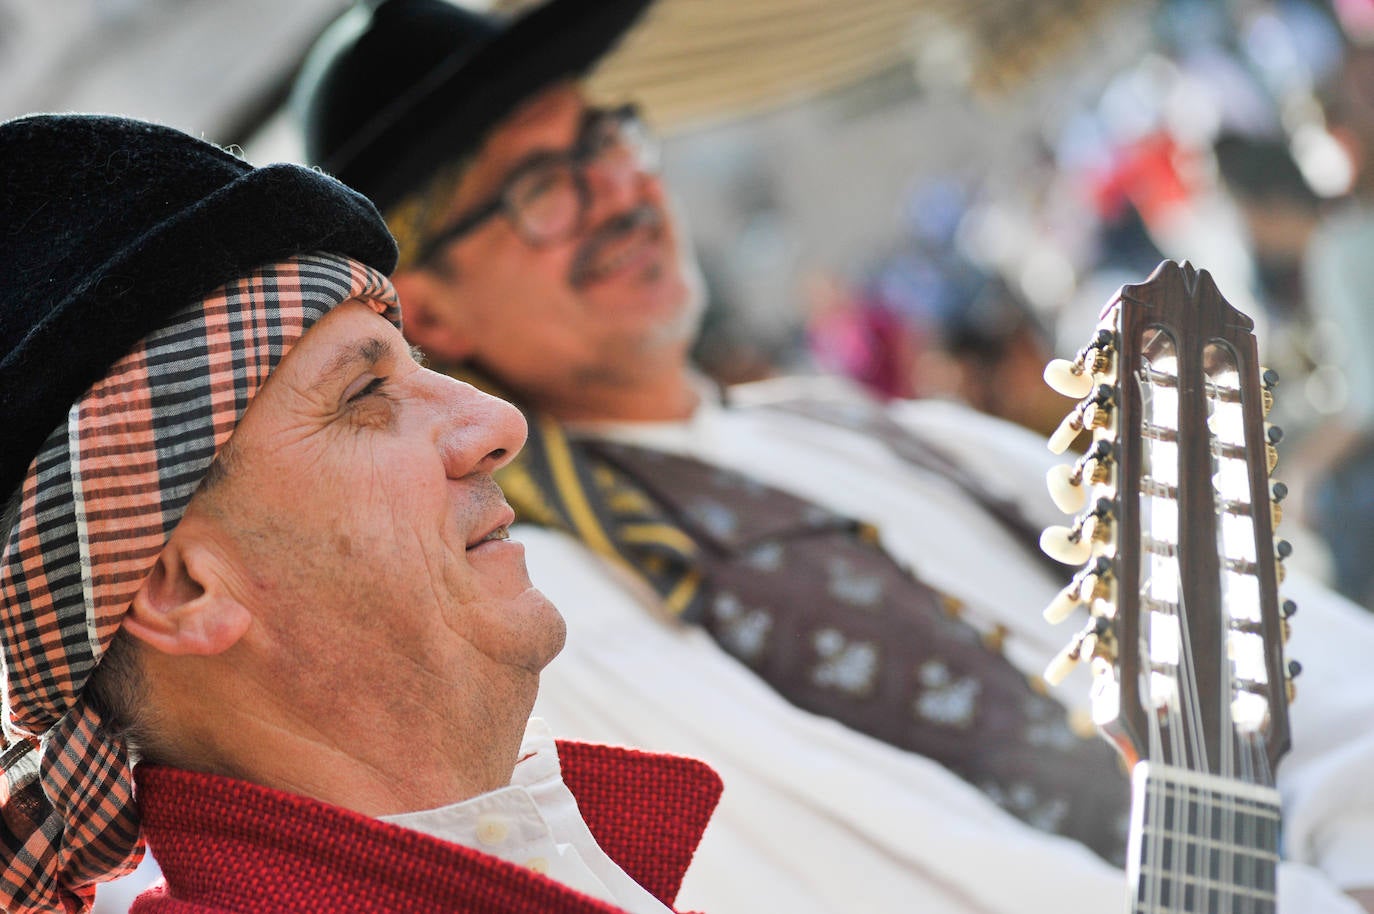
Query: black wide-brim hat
108	226
388	95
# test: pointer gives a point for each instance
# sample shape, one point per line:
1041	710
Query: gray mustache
611	231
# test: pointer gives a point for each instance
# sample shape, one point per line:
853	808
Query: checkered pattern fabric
96	508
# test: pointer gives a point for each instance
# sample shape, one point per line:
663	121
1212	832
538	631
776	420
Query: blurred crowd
1243	143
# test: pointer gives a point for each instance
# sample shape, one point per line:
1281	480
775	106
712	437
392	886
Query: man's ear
184	606
431	319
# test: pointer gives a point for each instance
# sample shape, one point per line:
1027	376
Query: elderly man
251	541
717	556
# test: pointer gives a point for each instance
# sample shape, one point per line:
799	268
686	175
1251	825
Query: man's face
359	511
595	307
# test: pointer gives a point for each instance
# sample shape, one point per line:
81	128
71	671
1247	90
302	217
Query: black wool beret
108	226
388	95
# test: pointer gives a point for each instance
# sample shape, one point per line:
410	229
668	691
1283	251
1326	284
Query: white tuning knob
1087	589
1068	378
1063	604
1066	488
1065	545
1065	434
1063	663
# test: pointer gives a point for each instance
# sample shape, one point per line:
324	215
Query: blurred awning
220	69
699	61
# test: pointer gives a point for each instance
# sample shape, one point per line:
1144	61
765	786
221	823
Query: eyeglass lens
549	200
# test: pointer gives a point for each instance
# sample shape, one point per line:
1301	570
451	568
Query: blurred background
931	197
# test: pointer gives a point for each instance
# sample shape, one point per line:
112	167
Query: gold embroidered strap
558	483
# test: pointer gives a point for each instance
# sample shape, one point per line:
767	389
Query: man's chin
557	635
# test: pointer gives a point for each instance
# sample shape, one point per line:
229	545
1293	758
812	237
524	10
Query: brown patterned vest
809	601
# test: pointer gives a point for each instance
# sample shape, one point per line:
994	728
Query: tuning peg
1277	493
1098	411
1294	671
1287	610
1067	491
1068	430
1088	584
1066	544
1282	550
1074	377
1059	667
1064	603
1073	545
1269	378
1096	464
1068	378
1272	436
1066	482
1094	412
1084	644
1098	353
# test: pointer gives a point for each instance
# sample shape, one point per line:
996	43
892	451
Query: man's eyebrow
359	354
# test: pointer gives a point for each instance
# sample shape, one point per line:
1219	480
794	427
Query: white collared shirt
831	821
535	823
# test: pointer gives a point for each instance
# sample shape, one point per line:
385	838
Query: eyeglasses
546	198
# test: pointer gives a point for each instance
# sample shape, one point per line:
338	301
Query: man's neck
350	763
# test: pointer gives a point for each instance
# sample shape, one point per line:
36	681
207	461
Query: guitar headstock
1175	531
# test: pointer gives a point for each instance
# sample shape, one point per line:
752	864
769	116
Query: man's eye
371	387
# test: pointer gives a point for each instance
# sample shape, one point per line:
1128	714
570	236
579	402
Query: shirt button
492	829
538	864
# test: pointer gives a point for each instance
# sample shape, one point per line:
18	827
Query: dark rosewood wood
1185	304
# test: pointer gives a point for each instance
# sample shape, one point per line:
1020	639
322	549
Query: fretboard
1201	843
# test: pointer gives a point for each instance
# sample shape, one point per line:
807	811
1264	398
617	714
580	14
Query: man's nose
614	180
478	433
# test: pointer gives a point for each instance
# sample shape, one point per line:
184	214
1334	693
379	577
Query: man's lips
500	533
495	531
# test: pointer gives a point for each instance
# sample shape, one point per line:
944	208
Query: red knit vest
227	845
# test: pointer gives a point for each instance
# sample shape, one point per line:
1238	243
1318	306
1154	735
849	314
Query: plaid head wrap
95	510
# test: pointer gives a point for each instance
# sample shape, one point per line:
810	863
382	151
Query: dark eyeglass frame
583	152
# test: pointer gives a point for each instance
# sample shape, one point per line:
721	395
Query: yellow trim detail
665	534
565	479
682	593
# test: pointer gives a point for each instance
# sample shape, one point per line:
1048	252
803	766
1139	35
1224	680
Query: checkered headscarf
95	510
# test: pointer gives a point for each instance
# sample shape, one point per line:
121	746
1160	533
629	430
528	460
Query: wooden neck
1201	843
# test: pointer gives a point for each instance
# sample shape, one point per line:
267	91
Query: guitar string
1251	760
1222	410
1150	886
1226	762
1157	837
1184	714
1168	838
